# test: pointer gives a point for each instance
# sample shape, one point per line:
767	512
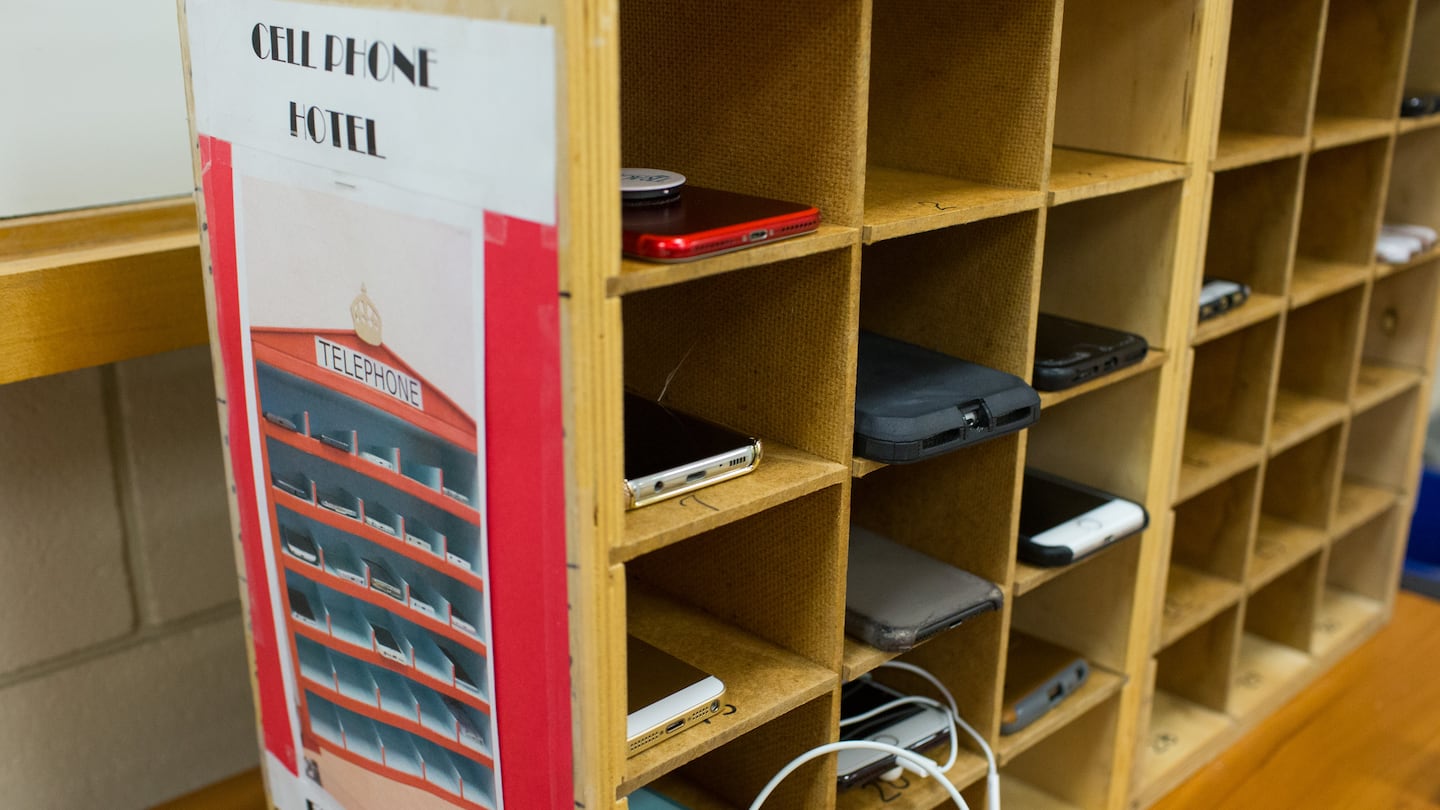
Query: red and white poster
379	193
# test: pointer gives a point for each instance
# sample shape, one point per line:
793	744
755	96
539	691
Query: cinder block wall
123	675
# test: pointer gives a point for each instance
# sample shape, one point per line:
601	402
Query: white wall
92	106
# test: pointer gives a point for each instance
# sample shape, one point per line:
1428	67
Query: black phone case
912	403
896	597
1068	352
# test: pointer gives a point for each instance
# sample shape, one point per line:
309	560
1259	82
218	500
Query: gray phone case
896	597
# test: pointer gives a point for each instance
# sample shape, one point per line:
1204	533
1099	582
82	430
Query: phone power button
1089	524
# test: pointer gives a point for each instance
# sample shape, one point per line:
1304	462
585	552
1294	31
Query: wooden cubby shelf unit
1094	159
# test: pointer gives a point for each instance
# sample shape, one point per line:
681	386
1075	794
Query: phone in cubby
913	726
666	696
1038	677
897	597
669	452
1218	296
1062	521
912	403
1070	352
701	222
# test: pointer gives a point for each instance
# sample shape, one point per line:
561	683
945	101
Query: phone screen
658	438
860	696
1045	504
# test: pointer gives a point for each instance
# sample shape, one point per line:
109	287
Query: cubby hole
772	101
959	112
967	291
1339	219
1296	506
967	660
1381	451
1104	440
1362	63
1274	649
1125	83
1251	239
1269	80
1422	73
1399	334
1111	261
757	603
1413	197
732	775
1317	366
1229	406
724	348
1069	769
1361	575
1088	612
1187	705
1212	541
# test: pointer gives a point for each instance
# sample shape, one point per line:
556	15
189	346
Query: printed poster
379	192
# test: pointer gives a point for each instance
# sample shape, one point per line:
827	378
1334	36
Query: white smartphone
666	696
1062	521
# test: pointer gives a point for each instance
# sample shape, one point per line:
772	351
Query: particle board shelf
1259	307
921	794
1193	598
1208	459
1182	735
1265	673
1342	618
1300	416
1153	359
762	681
1382	269
1314	279
636	275
1359	504
860	658
1330	131
1099	687
783	474
96	286
1413	124
1237	148
861	467
1376	384
689	794
1015	793
901	203
1080	174
1280	545
1029	577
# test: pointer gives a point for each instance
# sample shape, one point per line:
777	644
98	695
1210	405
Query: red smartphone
706	221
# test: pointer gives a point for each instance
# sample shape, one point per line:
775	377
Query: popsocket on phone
650	186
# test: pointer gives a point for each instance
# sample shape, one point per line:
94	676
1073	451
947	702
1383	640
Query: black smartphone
669	453
1069	352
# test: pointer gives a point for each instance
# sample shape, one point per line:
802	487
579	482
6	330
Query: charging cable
904	756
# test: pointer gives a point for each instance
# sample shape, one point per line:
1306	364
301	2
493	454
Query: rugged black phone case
1068	352
912	403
